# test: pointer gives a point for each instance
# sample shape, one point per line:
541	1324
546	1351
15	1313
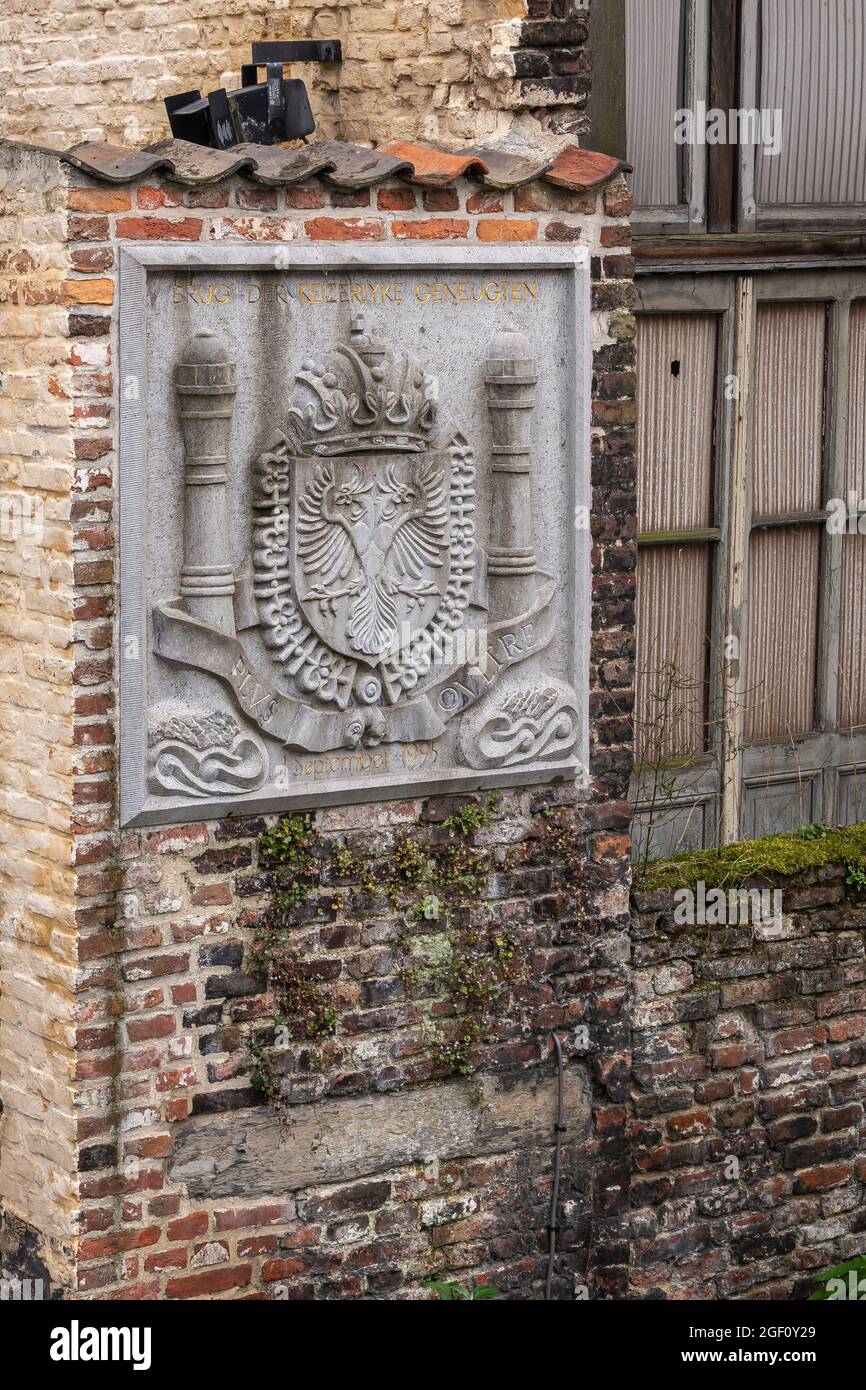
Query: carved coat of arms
383	614
364	533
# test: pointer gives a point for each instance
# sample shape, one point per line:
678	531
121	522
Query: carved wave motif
530	725
205	755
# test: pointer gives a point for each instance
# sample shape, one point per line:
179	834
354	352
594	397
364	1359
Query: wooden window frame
705	294
829	749
722	66
776	217
690	214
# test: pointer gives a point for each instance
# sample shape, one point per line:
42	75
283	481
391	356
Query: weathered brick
159	228
99	199
344	229
430	228
209	1282
506	229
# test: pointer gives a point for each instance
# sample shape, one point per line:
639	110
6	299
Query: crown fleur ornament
362	396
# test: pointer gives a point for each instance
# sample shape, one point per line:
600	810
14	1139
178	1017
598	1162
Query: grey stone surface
250	1155
349	560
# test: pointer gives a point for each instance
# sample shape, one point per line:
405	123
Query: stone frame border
135	263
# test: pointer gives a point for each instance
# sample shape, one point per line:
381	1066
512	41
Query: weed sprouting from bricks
458	971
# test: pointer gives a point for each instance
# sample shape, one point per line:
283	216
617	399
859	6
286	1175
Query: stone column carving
204	379
510	377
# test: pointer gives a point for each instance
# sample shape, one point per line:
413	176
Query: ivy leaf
821	1293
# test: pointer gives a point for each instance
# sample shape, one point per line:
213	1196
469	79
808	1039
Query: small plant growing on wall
841	1283
286	849
303	1008
855	877
464	966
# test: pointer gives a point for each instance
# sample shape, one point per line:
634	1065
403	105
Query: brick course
748	1045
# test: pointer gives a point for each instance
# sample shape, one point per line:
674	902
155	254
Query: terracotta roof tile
344	165
583	170
114	163
507	170
434	167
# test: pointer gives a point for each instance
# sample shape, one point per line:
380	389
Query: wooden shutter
785	547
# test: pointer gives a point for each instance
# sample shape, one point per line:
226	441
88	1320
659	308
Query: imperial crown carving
362	396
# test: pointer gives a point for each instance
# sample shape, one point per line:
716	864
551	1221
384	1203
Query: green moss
469	818
286	849
792	856
428	876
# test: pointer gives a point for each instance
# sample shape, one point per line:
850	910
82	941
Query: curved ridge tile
583	170
433	168
113	163
506	170
285	164
342	164
356	166
199	163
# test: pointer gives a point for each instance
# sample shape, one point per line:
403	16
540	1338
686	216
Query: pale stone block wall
99	69
37	940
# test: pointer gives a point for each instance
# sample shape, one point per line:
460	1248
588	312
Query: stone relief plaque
352	558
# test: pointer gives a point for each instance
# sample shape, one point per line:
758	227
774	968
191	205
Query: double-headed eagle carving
371	538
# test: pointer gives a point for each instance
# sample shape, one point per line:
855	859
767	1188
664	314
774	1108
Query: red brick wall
749	1044
165	916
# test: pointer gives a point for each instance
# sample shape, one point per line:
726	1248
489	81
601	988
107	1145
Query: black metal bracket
300	51
261	113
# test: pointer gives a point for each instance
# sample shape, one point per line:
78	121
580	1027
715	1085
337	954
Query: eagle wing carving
325	546
371	539
422	536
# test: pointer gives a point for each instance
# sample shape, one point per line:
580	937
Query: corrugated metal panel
852	635
852	631
789	408
813	69
676	386
855	453
672	642
782	632
653	65
787	449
